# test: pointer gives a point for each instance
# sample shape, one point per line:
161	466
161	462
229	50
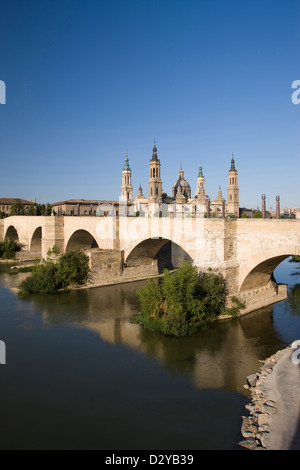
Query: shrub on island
183	302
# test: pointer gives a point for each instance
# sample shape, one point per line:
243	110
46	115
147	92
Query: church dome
184	186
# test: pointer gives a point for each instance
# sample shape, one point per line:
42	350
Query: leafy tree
48	277
42	279
17	209
9	248
39	209
73	268
31	209
183	302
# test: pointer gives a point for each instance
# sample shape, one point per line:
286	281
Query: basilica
158	202
181	198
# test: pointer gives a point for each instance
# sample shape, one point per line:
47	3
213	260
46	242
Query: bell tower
233	202
126	188
201	193
154	183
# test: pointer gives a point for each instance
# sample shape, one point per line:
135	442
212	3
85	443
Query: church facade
181	198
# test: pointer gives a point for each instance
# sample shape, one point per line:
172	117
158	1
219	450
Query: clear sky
88	81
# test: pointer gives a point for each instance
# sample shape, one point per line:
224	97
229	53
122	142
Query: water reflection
293	301
219	357
80	375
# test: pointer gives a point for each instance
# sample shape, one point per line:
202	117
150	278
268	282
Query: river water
79	375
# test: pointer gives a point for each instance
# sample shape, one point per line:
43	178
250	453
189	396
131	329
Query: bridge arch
260	273
81	239
12	234
157	251
36	241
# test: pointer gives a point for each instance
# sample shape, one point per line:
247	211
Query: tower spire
232	168
200	174
233	190
126	164
155	183
154	152
126	188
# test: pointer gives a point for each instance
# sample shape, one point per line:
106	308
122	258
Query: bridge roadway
245	251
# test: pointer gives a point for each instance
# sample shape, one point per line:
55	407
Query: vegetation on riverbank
24	269
183	302
49	277
8	249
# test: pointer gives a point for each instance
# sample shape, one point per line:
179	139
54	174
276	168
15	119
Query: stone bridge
245	251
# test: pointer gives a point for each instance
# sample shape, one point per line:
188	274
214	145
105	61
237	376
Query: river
79	375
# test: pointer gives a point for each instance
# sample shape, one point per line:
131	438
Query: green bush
53	251
9	248
42	279
48	277
73	268
183	302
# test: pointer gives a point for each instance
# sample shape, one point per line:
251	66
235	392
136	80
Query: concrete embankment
273	422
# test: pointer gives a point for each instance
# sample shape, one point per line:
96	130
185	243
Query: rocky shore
274	408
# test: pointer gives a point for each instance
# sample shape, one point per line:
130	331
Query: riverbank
273	422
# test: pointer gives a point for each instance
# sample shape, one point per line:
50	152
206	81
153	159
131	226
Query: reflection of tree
294	300
221	355
217	357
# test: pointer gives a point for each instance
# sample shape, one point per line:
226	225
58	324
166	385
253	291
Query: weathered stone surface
108	263
252	379
249	444
250	408
270	403
264	439
249	429
263	419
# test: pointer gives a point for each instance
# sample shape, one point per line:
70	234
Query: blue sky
88	81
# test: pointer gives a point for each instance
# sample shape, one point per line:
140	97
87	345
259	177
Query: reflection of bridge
245	251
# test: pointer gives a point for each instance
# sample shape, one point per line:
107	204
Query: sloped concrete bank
274	408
